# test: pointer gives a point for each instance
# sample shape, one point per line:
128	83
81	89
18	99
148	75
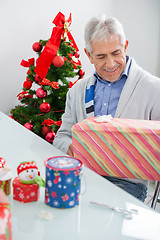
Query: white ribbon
103	118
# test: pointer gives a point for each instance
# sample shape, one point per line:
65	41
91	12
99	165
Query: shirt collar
124	73
127	67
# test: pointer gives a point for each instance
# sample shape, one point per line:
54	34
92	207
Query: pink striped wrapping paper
125	148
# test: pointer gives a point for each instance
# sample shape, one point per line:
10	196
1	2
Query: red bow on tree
45	81
52	46
25	63
49	122
24	94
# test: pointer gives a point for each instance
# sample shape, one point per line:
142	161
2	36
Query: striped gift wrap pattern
126	148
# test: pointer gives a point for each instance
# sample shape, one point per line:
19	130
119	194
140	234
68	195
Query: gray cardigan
140	99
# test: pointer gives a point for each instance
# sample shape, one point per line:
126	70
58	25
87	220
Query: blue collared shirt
107	94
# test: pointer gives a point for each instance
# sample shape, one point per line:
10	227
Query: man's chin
109	79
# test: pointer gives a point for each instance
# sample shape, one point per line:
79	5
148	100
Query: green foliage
29	108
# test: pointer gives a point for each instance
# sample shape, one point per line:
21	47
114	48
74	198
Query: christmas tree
42	101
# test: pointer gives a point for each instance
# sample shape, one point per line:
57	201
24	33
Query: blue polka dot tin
63	180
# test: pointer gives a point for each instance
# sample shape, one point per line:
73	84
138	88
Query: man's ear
126	46
88	55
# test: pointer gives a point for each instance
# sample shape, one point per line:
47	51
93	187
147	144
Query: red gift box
25	192
5	218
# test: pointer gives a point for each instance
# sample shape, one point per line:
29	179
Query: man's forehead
108	38
110	44
106	50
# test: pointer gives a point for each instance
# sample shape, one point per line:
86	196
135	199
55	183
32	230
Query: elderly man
118	87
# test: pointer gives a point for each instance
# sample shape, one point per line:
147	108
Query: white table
86	221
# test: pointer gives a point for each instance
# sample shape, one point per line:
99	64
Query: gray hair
100	28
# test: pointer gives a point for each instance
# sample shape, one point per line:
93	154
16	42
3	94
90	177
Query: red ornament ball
81	73
27	84
41	93
45	130
45	107
37	47
29	126
37	78
50	136
58	61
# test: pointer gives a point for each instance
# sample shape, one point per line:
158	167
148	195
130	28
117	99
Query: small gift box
25	192
26	185
126	148
5	218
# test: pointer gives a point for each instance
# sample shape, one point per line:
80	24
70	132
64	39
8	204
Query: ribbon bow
49	122
50	50
45	81
25	63
24	94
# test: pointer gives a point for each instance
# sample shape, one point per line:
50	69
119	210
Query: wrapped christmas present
126	148
28	182
5	217
25	192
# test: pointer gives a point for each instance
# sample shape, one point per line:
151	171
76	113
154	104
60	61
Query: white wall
25	21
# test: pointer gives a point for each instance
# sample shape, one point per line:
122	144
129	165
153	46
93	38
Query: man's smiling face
108	57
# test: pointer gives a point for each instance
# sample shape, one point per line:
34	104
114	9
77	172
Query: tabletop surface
86	221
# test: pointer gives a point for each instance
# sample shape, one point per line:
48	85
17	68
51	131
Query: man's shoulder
84	82
142	74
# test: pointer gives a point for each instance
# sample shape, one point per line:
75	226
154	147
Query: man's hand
70	150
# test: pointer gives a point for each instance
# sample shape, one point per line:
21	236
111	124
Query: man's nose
110	63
